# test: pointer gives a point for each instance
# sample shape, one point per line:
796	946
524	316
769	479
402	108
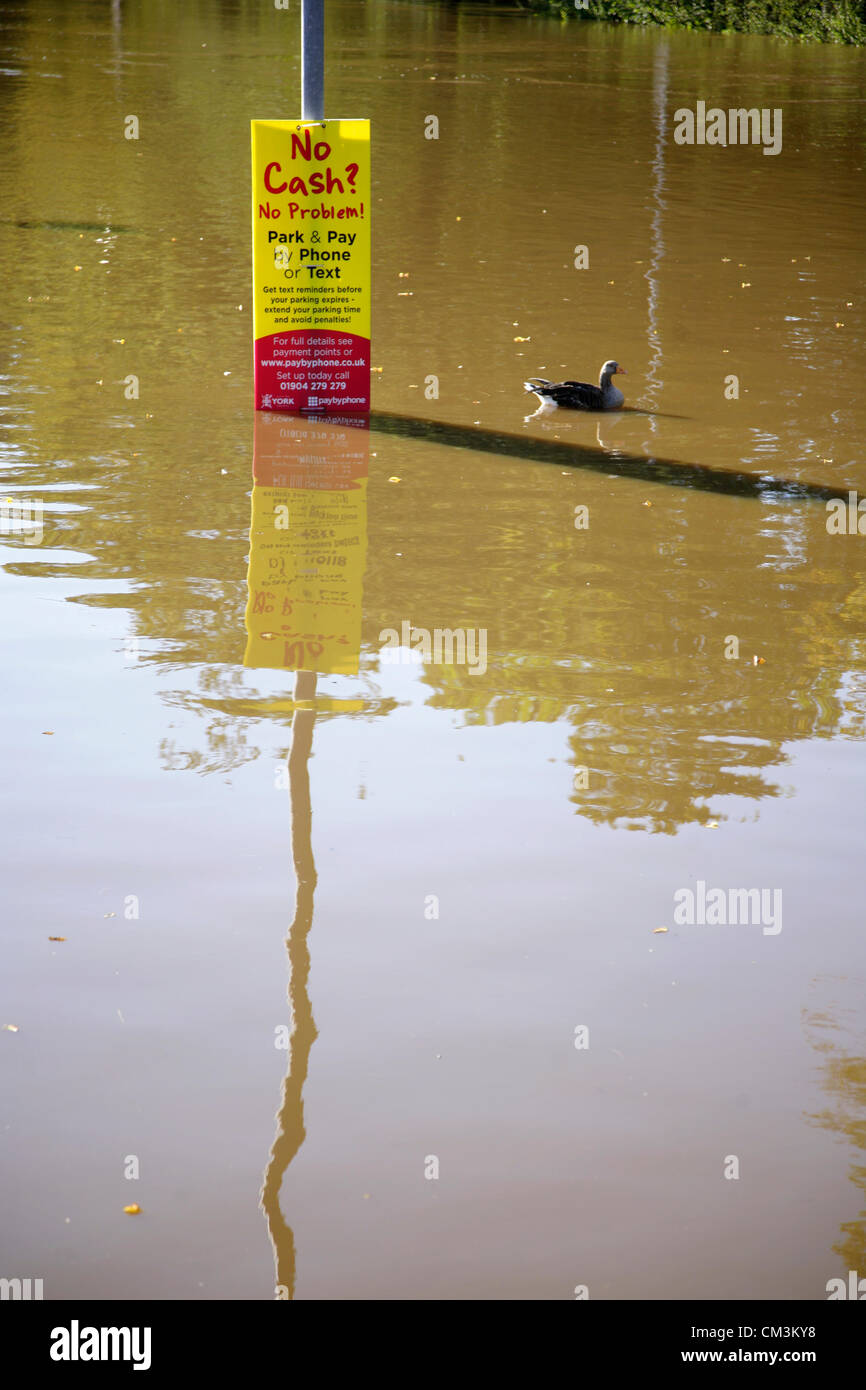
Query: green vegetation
828	21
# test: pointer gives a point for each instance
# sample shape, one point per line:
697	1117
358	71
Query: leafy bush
828	21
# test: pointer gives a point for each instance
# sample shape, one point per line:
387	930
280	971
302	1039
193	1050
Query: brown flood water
452	886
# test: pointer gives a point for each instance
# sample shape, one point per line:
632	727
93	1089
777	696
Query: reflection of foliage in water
833	21
232	709
844	1079
618	634
642	772
225	735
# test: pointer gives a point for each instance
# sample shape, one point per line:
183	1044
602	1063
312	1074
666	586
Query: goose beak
620	371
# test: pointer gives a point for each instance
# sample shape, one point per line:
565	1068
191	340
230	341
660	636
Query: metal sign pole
311	341
313	60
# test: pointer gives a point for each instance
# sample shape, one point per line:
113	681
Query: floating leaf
57	938
11	1027
656	930
132	1210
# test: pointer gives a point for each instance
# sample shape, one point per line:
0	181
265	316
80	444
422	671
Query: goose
578	395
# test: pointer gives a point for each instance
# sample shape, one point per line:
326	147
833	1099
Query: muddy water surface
453	886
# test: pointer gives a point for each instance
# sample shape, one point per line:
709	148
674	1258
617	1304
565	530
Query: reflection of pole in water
308	534
660	95
290	1117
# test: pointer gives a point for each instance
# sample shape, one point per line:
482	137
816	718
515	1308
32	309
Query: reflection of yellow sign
311	265
308	543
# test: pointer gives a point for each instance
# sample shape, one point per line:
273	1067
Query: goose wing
579	395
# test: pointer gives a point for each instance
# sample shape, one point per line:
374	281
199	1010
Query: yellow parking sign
311	265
